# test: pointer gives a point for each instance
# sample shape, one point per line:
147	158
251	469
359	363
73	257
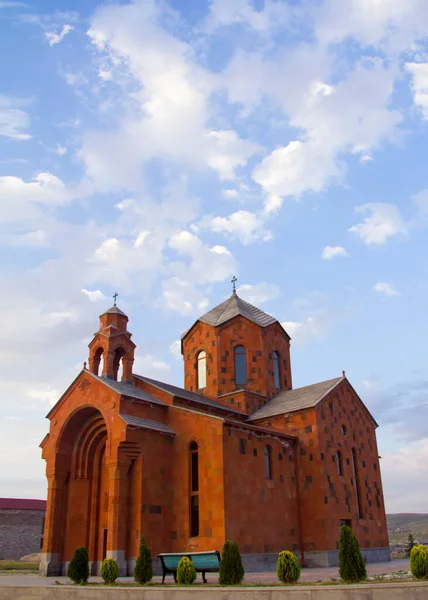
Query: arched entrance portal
85	514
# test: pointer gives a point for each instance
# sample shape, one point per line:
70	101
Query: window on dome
202	370
240	365
276	370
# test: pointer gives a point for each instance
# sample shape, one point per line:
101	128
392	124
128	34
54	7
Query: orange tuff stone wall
219	344
261	513
342	407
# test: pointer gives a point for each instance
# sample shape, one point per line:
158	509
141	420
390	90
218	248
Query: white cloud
382	222
150	366
330	252
94	295
419	85
14	122
48	395
175	349
259	292
242	225
61	150
385	288
55	38
183	297
34	239
170	106
224	13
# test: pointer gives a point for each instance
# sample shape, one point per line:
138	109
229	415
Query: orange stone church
238	452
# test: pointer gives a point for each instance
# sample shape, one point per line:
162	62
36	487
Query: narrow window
240	365
276	373
339	462
202	370
357	484
268	465
194	490
343	429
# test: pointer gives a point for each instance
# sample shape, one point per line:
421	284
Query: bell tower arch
112	346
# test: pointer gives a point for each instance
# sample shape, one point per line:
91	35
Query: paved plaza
309	575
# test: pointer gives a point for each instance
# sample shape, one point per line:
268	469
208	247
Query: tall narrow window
268	462
356	483
240	365
276	370
194	490
202	370
339	462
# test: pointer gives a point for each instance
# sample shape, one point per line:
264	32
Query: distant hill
401	524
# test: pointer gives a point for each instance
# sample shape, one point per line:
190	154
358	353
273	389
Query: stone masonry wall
20	532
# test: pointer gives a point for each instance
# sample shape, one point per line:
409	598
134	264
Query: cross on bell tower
233	282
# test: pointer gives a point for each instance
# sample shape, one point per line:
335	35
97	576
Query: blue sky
158	148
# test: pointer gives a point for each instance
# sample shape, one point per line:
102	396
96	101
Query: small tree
143	571
288	567
419	562
410	544
351	563
109	570
78	569
231	569
186	572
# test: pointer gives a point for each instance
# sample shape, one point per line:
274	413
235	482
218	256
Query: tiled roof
297	399
114	310
186	395
126	389
22	504
147	424
234	306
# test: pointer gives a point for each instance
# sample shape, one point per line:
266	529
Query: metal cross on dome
115	295
233	282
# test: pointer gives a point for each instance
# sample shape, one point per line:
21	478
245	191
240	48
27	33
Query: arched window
268	462
98	362
194	490
118	363
339	462
276	370
240	365
202	370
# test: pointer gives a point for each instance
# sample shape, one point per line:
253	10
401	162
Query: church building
237	452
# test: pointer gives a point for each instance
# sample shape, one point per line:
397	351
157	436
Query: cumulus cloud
382	222
385	288
150	366
175	349
243	225
55	38
419	73
183	297
224	13
94	295
331	252
259	292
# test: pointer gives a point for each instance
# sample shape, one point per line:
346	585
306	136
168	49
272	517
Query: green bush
351	564
419	562
78	569
186	572
143	571
231	569
288	567
109	570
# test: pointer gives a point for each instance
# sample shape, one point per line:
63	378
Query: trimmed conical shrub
419	562
109	570
78	569
231	569
351	563
186	572
287	567
143	571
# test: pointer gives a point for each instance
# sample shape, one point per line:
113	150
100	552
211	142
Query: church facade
238	452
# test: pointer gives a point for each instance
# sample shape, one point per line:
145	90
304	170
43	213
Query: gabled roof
187	395
126	389
146	424
232	307
297	399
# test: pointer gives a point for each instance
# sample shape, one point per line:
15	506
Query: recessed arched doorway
82	456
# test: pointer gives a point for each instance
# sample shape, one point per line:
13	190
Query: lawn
17	566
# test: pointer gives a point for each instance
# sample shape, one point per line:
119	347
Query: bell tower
112	345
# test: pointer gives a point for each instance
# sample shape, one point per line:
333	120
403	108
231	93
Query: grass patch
16	565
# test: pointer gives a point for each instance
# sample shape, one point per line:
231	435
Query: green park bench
205	562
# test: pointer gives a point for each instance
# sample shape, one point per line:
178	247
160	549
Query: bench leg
175	576
204	579
163	578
